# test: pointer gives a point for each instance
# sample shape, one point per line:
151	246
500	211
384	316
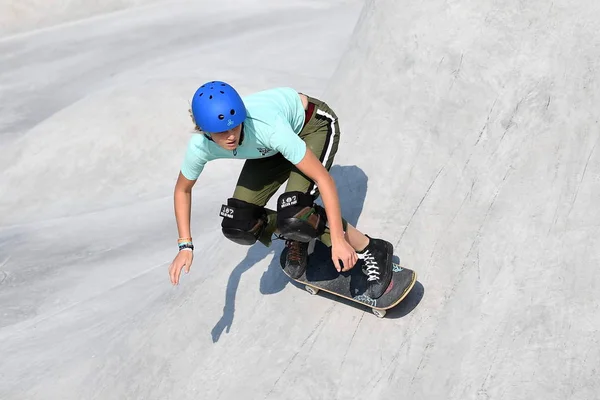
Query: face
228	139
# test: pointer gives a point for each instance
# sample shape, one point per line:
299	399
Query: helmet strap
241	135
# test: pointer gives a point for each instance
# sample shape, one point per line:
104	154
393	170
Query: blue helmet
217	107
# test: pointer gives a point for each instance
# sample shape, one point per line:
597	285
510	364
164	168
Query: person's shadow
351	184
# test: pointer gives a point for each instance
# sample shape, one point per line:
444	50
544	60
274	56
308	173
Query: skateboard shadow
410	302
351	183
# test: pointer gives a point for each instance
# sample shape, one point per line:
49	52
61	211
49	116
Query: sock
365	248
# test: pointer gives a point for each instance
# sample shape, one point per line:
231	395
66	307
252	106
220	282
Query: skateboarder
283	135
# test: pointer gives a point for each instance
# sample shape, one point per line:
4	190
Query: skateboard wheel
311	290
379	313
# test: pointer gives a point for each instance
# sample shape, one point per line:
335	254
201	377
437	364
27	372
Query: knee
243	222
298	218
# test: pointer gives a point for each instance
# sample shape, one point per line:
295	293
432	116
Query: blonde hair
196	127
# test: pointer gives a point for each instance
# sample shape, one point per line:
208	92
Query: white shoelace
372	270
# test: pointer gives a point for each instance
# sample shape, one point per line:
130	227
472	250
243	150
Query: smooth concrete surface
21	17
469	140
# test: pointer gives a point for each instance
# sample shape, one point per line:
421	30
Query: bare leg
356	238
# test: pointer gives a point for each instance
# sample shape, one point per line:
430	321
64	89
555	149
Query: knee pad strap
298	218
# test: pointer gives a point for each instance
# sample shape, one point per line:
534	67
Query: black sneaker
295	262
377	265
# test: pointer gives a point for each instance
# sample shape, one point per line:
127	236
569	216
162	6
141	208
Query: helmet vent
221	117
210	97
200	95
232	112
222	92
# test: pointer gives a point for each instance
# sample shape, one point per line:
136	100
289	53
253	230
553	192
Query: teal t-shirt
274	119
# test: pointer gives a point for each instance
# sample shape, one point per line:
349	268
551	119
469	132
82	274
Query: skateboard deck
321	274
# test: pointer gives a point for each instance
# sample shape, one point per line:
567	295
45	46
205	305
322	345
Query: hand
183	259
344	252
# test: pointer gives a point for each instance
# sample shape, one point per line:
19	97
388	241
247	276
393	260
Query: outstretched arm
182	197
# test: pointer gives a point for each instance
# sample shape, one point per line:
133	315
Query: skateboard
321	274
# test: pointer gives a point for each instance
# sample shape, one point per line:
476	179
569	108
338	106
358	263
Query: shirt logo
263	150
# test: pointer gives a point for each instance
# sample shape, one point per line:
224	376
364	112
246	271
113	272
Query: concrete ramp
18	17
469	139
476	123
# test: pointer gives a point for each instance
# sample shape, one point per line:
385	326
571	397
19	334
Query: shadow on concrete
351	183
410	302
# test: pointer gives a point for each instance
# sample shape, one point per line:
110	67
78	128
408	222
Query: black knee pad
298	218
243	222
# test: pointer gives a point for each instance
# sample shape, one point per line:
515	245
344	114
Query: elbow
325	181
183	189
183	185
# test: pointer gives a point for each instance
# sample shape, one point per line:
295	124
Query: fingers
336	262
172	269
177	265
174	272
350	261
348	264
